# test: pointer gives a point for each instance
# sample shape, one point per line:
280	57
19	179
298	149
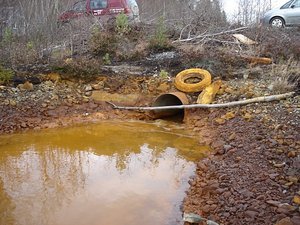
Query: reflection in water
107	174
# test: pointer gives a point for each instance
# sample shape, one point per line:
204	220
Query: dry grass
286	77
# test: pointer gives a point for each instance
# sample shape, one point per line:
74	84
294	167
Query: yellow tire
181	78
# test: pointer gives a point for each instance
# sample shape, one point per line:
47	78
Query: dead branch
223	42
201	36
183	29
206	106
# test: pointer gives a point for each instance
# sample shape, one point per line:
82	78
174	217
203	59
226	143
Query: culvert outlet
169	99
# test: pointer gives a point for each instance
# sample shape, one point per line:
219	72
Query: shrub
277	44
122	24
103	42
5	75
286	77
163	74
7	36
83	68
160	41
106	59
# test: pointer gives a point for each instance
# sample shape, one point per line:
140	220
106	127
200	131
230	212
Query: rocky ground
253	178
253	175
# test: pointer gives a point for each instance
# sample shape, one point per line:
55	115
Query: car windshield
98	4
297	4
287	5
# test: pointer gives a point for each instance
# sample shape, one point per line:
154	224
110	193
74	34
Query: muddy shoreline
253	173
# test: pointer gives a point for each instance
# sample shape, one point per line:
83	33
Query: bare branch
210	35
206	106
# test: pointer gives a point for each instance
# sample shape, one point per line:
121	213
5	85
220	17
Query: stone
273	175
88	88
296	220
288	184
229	116
227	148
251	214
27	86
98	86
226	214
247	193
202	166
274	203
85	100
210	222
213	207
229	90
279	151
292	154
206	209
23	125
285	221
293	179
247	117
238	158
220	121
296	199
192	218
279	165
88	93
220	151
164	87
249	94
286	208
12	102
232	137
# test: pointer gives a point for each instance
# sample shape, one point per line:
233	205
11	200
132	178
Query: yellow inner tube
180	80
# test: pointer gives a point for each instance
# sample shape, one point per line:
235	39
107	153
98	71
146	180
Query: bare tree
250	11
183	12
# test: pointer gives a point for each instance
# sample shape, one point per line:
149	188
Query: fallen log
206	106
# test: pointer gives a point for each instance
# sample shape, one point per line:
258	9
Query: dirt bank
52	104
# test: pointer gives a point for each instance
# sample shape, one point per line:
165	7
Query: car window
296	4
79	6
132	3
287	5
98	4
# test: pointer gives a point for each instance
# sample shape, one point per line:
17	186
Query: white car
286	15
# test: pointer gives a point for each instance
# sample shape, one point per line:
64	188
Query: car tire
180	80
277	22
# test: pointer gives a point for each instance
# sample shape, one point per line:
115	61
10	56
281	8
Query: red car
102	8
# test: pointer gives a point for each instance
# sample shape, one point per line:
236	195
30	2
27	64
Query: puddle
128	173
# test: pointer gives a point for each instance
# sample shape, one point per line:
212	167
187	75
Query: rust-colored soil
253	174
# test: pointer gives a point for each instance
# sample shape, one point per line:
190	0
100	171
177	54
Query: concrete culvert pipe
169	99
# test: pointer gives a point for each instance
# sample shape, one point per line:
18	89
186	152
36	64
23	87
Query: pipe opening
170	99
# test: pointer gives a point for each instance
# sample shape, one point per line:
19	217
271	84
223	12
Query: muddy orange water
128	173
